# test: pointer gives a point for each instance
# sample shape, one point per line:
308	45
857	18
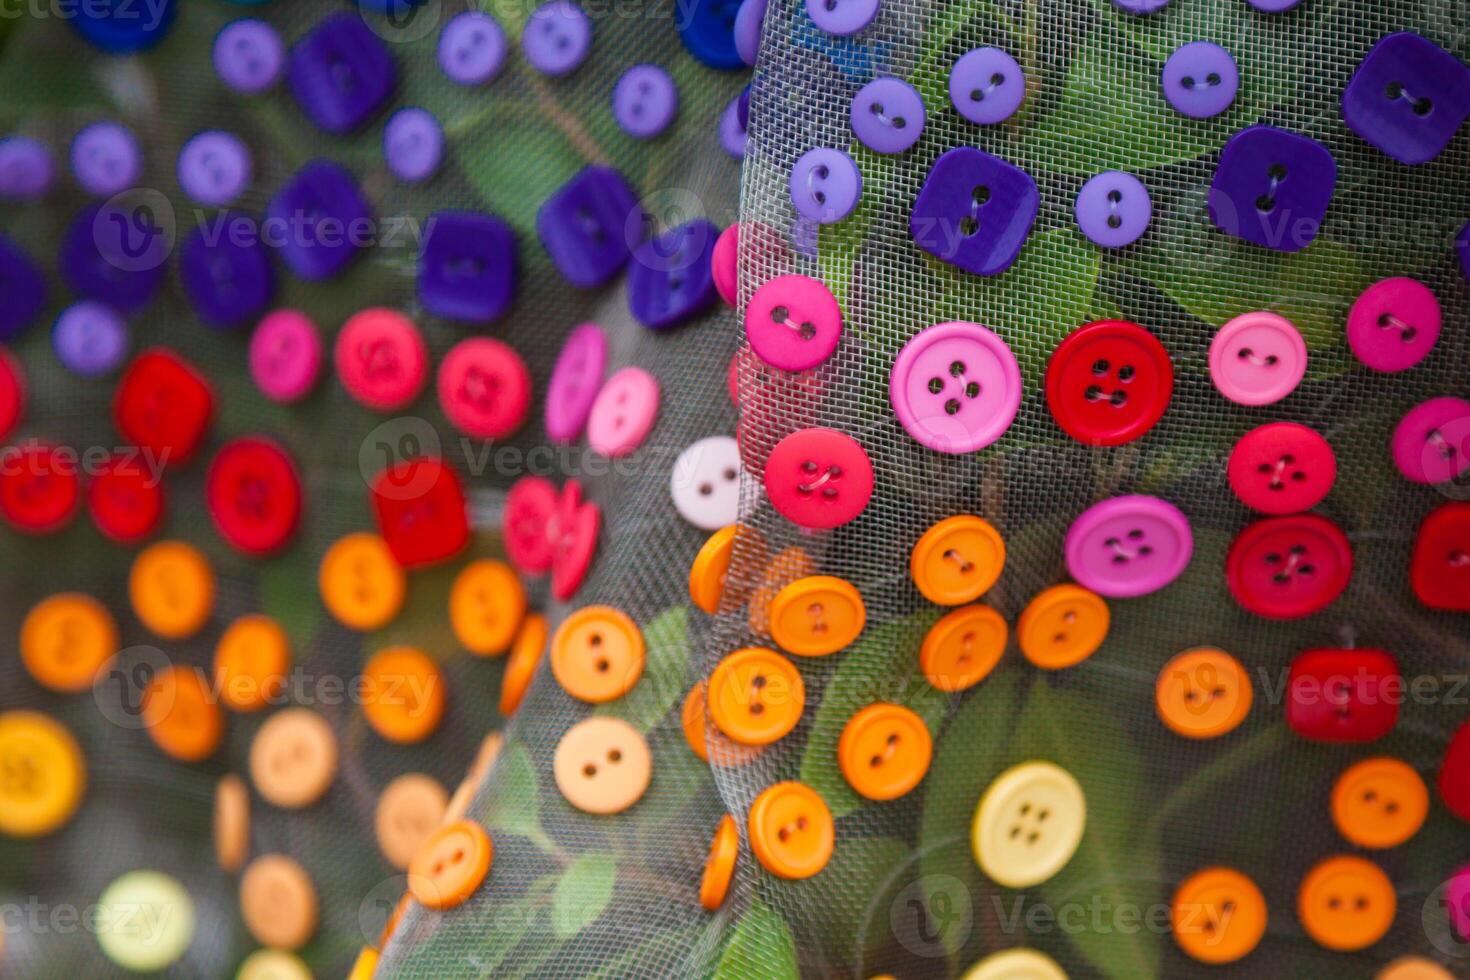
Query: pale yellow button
1028	824
274	964
486	606
171	587
144	921
602	765
65	639
361	584
44	774
1016	964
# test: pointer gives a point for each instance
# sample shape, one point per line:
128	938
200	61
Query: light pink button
1257	358
574	382
1432	442
1394	324
381	359
819	478
955	387
793	323
724	266
624	412
1129	546
285	355
705	483
484	388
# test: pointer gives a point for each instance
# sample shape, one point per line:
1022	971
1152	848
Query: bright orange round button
957	560
520	666
1379	803
817	615
785	567
693	717
65	639
1203	693
719	867
1346	903
361	583
251	662
450	865
43	774
1062	626
171	587
755	696
181	715
791	830
1218	915
597	654
711	565
486	606
963	648
403	694
884	751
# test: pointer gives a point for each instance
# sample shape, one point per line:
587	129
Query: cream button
602	765
1016	964
1028	824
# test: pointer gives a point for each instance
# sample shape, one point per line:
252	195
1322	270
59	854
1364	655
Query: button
963	648
111	254
1273	6
248	56
1016	964
825	184
472	48
957	560
974	211
277	964
786	567
226	273
719	866
1203	693
1440	568
986	86
520	666
231	828
1257	359
106	159
278	902
1109	382
360	583
459	803
1282	468
25	287
1143	7
1346	903
1408	97
285	355
1028	824
1113	209
1272	188
1343	695
39	487
26	169
888	115
382	359
1289	567
1062	626
484	388
293	758
328	220
791	830
1200	79
163	406
817	615
1431	444
955	387
403	694
575	381
409	810
1394	324
467	267
730	128
119	27
340	73
413	144
49	774
793	322
254	495
1129	546
669	281
214	168
645	101
1453	781
13	393
90	339
557	38
182	715
1379	803
251	662
575	541
724	264
711	566
450	866
65	639
597	654
705	483
584	226
144	921
602	765
1413	968
884	751
172	589
486	605
623	412
706	741
842	17
755	696
708	29
526	525
819	478
1218	915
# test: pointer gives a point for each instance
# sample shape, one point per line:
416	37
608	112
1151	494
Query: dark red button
1343	695
420	508
12	392
39	487
1454	773
530	509
125	498
1109	382
163	406
574	537
1289	567
819	478
254	495
1282	468
1440	570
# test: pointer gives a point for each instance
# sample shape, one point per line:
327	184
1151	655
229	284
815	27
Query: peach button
817	615
755	696
1413	968
1346	903
791	830
171	587
361	583
410	808
1062	626
719	867
450	865
181	715
884	751
251	662
957	560
1203	693
602	765
520	666
65	639
597	654
1379	803
231	823
1218	915
963	648
464	794
293	758
278	902
486	606
403	694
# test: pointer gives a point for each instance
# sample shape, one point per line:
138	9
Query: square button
1272	188
341	73
974	211
671	280
1408	97
467	266
585	226
319	221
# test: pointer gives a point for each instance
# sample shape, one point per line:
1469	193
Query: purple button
472	48
974	211
214	168
226	271
1431	444
248	56
1200	79
467	266
413	144
26	169
748	21
1142	7
341	73
1274	6
888	115
588	226
842	16
1129	546
557	38
742	107
319	221
732	133
106	159
1272	188
115	255
1462	245
986	86
825	185
90	339
22	288
1408	97
645	101
575	381
669	279
1113	209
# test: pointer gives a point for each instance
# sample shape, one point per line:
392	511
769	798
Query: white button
706	483
1028	824
1016	964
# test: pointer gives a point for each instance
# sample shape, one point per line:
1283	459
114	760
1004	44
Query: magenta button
1257	358
623	413
285	355
1432	442
956	387
793	323
1394	324
724	264
819	478
1457	903
574	382
1282	468
1129	546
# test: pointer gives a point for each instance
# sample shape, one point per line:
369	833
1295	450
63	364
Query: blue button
467	266
585	226
707	28
123	26
227	272
22	289
115	256
1462	245
341	73
1408	97
974	211
319	221
1272	188
670	280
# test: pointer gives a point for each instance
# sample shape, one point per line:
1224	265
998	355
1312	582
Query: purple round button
106	159
1141	7
214	168
986	86
26	169
842	16
1431	444
732	134
557	37
1274	6
825	185
249	56
748	21
90	338
1113	209
413	144
472	48
1394	324
1129	546
1200	79
645	101
575	381
888	115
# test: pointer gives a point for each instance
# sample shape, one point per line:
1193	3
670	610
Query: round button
888	115
1218	915
1203	693
575	380
520	666
1016	964
1289	567
705	483
285	355
381	358
704	741
623	413
1142	7
825	184
106	159
486	605
413	144
884	751
1413	968
725	270
1063	626
125	499
1379	803
1431	444
1282	468
793	322
956	387
403	694
231	829
39	487
1113	209
451	865
526	526
719	867
278	902
12	392
1394	324
26	169
1257	359
711	565
986	86
277	964
1346	903
1129	546
645	101
472	48
65	639
45	774
783	569
145	921
963	648
755	696
577	526
1028	824
410	809
293	758
842	17
557	38
602	765
957	560
597	654
214	168
1273	6
254	495
817	615
248	56
791	830
182	715
731	126
361	584
1200	79
819	478
251	662
90	339
484	388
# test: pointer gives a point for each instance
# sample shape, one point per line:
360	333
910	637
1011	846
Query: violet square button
1408	97
467	266
319	221
584	226
974	211
1272	187
341	73
226	272
670	280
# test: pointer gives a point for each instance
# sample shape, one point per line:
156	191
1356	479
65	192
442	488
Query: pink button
724	265
955	387
624	412
574	382
793	323
381	359
819	478
1129	546
1289	567
285	355
484	388
1432	442
574	535
1457	903
1282	468
1394	324
526	525
1257	358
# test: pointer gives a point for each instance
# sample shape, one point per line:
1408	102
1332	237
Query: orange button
181	714
171	587
65	639
365	965
1379	803
719	867
701	740
251	662
464	794
884	751
791	831
1062	626
817	615
520	666
963	648
1218	916
755	696
602	765
486	606
410	808
278	902
293	758
1346	903
786	567
1413	968
231	823
403	694
362	584
450	865
711	565
1203	693
597	654
957	560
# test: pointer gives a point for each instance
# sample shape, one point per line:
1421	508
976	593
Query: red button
12	392
420	508
1282	468
1454	773
819	478
530	509
39	487
1289	567
254	495
574	538
125	498
484	388
163	406
1343	695
1109	382
1440	570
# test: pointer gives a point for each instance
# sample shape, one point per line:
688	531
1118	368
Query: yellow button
602	765
251	662
42	774
711	565
171	587
365	965
791	830
65	639
963	648
1346	903
786	567
1028	824
1413	968
957	560
1016	964
231	823
597	654
520	666
144	921
755	696
1379	803
181	714
486	606
403	694
817	615
275	964
1062	626
884	751
1203	693
362	585
1218	915
719	867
